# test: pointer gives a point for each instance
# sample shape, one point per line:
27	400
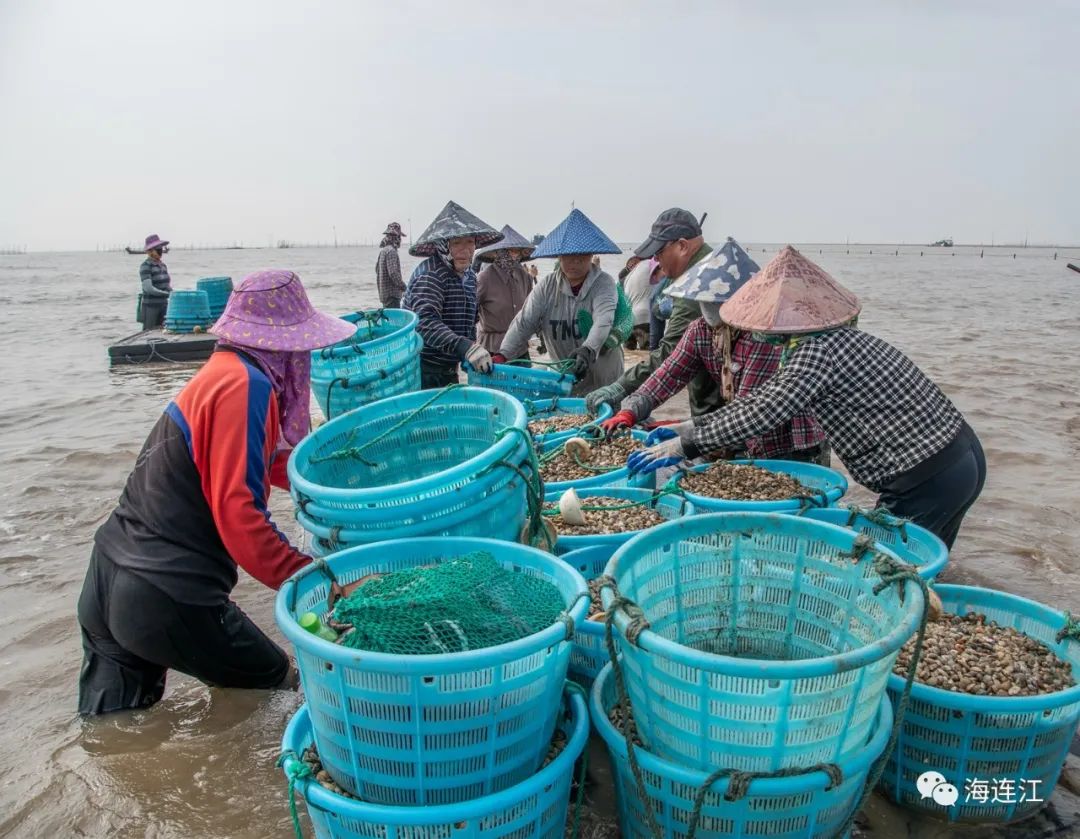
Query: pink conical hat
790	295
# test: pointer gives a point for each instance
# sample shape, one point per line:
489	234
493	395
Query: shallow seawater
998	334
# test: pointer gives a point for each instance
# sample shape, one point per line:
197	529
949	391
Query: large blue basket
383	341
217	291
766	647
439	454
670	506
536	808
186	310
619	477
992	739
913	544
590	649
540	409
336	395
430	729
523	382
826	487
799	807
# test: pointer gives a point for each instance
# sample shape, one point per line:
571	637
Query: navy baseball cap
670	226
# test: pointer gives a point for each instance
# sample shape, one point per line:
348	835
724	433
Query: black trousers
153	311
937	494
434	376
132	633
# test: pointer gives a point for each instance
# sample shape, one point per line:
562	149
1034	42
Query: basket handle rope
297	771
1070	630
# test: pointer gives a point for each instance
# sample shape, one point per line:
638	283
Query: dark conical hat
575	234
453	222
511	240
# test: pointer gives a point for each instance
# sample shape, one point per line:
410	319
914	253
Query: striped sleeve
427	298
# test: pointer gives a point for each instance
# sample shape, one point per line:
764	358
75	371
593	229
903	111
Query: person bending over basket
442	293
894	430
732	359
163	565
564	301
677	243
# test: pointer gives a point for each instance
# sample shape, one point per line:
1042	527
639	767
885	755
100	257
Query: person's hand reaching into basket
583	358
498	358
623	419
479	358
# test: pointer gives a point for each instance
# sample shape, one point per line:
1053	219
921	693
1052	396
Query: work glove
583	358
666	453
479	358
498	358
668	431
612	395
623	419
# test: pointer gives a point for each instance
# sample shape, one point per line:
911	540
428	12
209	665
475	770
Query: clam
570	508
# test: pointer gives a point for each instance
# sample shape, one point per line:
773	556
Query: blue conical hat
717	276
454	222
575	234
511	240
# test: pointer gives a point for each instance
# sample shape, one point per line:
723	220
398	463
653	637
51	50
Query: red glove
623	419
498	358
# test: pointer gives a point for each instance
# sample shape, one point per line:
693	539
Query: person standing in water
388	268
156	284
194	510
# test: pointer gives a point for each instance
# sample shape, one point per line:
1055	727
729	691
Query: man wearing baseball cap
677	243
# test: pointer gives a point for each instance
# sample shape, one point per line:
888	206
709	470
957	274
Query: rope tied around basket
1070	630
297	771
567	619
534	483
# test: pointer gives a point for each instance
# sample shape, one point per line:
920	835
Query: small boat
158	345
941	243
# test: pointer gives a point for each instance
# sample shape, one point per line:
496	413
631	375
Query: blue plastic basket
913	544
540	409
384	340
523	382
619	477
766	646
590	653
336	395
425	468
800	807
536	808
186	310
217	291
670	506
826	486
967	738
430	729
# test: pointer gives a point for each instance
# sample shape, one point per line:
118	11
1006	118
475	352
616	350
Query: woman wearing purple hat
156	285
163	565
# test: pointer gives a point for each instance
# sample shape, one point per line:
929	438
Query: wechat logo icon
933	785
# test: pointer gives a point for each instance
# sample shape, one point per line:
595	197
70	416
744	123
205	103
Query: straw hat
789	296
717	277
512	240
452	223
575	234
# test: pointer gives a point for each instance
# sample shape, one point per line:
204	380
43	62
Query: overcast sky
788	121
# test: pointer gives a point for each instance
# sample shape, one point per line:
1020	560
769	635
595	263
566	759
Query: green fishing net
620	330
466	603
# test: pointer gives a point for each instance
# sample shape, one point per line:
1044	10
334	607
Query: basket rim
326	378
434	664
297	731
347	420
838	485
754	668
954	700
410	319
515	370
851	765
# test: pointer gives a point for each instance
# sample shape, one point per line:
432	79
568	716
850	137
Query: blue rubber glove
658	435
668	453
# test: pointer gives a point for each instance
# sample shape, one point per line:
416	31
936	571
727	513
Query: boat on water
158	345
942	243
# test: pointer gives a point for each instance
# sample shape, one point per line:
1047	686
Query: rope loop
1070	630
297	771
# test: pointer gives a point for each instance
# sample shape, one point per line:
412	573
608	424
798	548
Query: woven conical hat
789	296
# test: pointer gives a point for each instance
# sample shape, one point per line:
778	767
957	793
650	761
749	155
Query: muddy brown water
998	334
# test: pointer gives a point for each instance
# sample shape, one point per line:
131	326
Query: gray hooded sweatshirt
552	310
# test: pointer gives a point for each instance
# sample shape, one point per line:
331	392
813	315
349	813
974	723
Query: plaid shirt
882	415
446	306
388	275
753	362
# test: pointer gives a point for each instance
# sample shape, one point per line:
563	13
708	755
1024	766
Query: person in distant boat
734	360
892	427
388	268
442	293
163	565
677	243
156	284
502	287
576	285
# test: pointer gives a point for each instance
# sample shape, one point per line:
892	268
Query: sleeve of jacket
604	300
684	313
671	376
528	321
147	278
427	298
235	466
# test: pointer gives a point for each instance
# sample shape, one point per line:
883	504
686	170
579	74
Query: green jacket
704	393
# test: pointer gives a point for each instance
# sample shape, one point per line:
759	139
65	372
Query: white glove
479	358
